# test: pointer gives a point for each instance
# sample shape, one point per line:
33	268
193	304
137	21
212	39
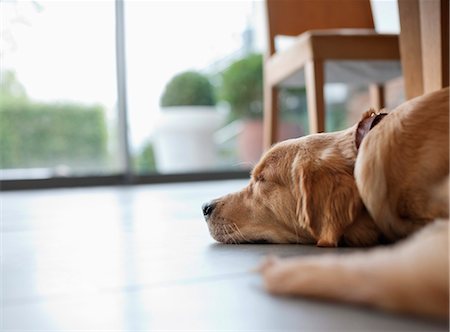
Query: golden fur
320	190
302	191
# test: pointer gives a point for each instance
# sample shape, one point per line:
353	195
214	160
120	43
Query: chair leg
270	116
411	47
315	83
377	99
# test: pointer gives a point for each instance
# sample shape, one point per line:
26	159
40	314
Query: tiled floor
141	258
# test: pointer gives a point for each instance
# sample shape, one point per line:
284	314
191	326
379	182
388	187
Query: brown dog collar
366	124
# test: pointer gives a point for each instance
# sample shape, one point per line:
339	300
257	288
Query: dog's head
301	191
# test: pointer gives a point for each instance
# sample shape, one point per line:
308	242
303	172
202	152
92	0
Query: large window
58	89
59	98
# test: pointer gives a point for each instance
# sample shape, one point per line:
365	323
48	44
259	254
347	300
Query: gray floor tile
141	258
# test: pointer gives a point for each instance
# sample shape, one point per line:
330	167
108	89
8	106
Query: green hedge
48	134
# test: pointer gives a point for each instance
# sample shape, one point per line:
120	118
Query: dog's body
321	189
403	164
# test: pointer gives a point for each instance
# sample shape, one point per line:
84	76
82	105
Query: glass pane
58	89
209	118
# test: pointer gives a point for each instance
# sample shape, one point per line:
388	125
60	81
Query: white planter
184	139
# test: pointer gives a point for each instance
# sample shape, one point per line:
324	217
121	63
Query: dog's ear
328	202
369	120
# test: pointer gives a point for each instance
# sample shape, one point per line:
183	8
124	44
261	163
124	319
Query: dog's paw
276	274
267	263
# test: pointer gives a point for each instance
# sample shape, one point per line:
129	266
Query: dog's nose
208	208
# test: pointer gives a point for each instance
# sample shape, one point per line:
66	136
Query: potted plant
186	124
242	88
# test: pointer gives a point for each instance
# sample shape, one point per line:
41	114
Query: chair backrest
293	17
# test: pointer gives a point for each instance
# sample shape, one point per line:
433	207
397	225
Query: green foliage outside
10	87
38	134
188	88
242	87
336	118
145	162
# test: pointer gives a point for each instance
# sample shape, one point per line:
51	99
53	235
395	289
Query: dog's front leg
327	277
410	277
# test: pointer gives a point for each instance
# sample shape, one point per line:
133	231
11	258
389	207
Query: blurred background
100	88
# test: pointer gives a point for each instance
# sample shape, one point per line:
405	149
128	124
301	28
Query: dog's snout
208	209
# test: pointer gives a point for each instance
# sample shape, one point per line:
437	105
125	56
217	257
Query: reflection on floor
141	258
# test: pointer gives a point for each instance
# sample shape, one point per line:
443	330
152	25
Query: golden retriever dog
378	181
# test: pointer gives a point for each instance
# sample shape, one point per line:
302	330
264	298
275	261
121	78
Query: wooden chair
328	31
424	45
